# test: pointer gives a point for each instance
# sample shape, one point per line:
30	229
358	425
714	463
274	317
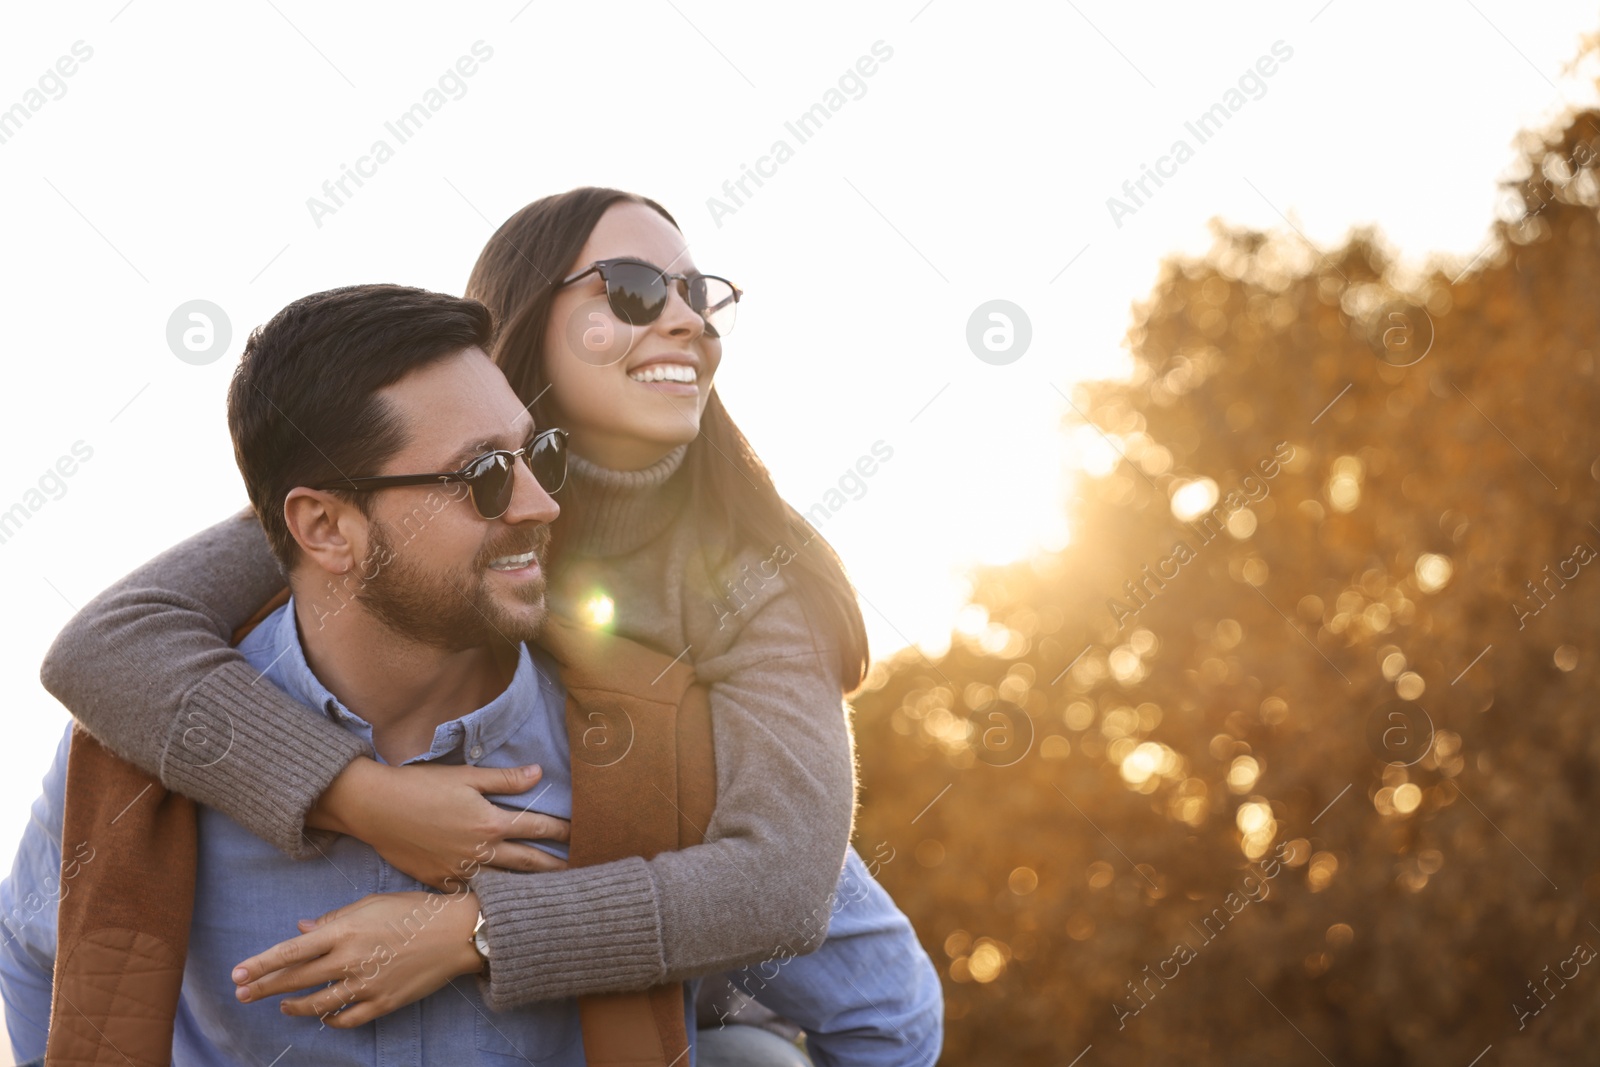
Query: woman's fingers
507	781
296	950
284	954
368	958
319	971
357	1014
330	1000
533	826
512	857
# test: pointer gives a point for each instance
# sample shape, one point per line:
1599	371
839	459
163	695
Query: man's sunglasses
489	478
637	291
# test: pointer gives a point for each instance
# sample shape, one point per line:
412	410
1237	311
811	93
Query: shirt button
476	752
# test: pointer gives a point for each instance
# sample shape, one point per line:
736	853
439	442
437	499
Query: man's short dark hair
303	405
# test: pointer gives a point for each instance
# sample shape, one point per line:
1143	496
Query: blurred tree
1341	744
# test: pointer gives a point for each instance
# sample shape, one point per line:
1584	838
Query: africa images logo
1205	126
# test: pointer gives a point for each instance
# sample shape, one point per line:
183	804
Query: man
428	664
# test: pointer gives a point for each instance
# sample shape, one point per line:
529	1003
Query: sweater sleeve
761	883
196	715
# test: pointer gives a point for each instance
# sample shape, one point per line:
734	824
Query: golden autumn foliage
1336	736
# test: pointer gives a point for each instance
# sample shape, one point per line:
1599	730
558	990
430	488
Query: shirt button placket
400	1037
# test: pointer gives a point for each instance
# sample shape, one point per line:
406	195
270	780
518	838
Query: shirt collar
474	735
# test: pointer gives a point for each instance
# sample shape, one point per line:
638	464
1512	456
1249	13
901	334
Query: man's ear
331	532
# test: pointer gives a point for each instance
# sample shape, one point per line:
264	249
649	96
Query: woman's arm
763	878
147	667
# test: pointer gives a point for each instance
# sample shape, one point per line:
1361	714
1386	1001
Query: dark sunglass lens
548	461
491	484
637	293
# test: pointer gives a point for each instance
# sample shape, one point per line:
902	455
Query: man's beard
455	609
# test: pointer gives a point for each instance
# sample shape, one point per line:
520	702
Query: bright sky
973	164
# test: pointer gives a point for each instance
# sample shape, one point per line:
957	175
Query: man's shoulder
48	808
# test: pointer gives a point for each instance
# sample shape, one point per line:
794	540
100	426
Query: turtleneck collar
611	513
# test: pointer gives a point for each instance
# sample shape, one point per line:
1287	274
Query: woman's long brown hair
736	504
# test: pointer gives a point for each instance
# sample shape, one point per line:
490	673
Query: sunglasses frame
601	266
465	475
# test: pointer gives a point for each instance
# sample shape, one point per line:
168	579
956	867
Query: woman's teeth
512	563
665	372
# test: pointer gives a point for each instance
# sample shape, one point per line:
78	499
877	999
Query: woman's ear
331	532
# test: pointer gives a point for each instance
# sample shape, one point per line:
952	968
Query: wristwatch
480	944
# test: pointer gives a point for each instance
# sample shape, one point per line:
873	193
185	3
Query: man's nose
529	501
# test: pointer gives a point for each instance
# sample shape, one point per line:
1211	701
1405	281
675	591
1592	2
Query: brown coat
123	930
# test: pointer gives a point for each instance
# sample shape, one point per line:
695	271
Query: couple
413	719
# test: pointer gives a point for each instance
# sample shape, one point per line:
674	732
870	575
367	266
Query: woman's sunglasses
637	291
489	478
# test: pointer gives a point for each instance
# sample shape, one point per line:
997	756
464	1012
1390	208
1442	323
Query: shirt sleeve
762	878
178	612
29	897
868	996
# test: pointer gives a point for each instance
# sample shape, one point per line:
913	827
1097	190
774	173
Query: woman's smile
672	375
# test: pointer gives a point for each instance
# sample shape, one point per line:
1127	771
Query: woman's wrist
338	808
473	959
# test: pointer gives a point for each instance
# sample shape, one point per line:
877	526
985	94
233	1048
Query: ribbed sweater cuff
244	748
566	933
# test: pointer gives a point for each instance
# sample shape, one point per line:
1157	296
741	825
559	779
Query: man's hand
433	822
381	953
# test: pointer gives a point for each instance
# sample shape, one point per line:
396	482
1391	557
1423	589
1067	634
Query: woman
671	532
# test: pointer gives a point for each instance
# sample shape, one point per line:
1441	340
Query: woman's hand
381	953
433	822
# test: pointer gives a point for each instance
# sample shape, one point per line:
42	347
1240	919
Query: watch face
481	941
